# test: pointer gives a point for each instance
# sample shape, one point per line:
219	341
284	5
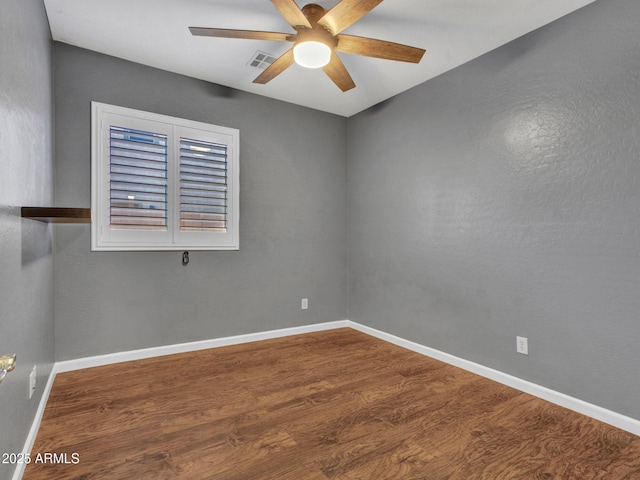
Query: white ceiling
155	33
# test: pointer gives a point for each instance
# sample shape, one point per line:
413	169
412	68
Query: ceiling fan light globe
312	54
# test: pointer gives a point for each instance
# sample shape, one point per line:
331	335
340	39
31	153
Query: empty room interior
420	268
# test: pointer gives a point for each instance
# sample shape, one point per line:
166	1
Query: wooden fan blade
292	13
276	68
337	72
346	13
246	34
370	47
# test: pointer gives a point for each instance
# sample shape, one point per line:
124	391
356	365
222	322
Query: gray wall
26	178
292	220
497	200
502	199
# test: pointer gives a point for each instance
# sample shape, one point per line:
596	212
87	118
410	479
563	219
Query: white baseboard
33	431
607	416
623	422
87	362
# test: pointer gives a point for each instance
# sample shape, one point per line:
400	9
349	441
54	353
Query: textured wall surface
503	199
26	178
292	219
497	200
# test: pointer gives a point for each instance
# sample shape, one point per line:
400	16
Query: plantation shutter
162	183
203	186
138	179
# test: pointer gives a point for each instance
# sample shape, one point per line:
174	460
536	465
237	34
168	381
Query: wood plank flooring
329	405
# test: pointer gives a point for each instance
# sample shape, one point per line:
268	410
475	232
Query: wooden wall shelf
57	215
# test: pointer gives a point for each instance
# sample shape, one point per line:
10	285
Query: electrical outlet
32	382
522	345
304	305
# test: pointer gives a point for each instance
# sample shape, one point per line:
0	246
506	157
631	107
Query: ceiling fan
318	38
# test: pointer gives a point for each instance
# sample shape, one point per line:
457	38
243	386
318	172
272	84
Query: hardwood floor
329	405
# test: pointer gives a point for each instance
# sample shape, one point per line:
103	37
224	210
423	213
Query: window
162	183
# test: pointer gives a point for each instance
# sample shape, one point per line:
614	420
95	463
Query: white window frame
105	238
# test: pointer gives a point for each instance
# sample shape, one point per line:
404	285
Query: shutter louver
203	186
138	179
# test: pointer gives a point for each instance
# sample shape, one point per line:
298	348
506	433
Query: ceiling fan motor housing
313	12
317	32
